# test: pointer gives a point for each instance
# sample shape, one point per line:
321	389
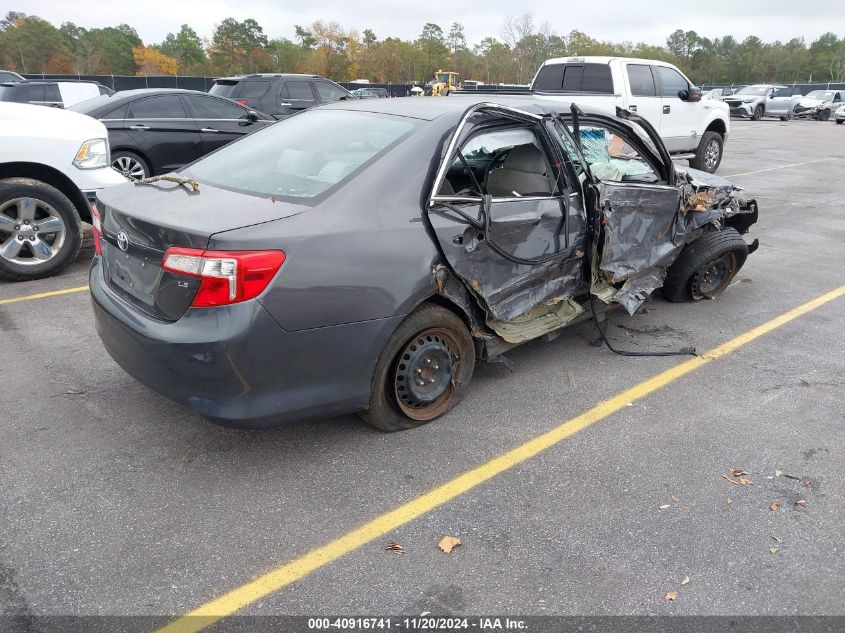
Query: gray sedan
361	256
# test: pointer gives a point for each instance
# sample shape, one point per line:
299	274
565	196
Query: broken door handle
667	109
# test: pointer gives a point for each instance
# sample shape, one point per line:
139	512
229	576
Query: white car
820	104
690	127
839	115
52	163
759	100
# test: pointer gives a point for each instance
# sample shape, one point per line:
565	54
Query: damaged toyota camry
361	256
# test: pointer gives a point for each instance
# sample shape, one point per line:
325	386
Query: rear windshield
89	105
240	89
577	77
303	156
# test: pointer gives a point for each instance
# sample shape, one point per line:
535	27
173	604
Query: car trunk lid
140	222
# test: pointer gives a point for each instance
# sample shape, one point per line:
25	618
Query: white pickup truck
691	128
52	163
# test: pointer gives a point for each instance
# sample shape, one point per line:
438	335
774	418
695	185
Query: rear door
509	222
679	123
297	95
645	98
164	132
220	121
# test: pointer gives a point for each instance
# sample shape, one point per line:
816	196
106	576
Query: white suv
690	127
52	163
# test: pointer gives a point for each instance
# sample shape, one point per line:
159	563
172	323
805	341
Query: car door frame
680	119
498	295
216	132
295	105
159	125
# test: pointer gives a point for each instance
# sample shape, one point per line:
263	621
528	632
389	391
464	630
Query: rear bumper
236	365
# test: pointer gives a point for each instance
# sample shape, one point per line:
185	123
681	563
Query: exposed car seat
523	173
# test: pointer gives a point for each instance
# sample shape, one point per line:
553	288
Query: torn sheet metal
537	321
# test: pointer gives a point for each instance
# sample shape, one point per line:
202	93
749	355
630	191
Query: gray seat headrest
526	157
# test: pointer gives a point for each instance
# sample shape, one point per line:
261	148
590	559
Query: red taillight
227	276
97	222
242	101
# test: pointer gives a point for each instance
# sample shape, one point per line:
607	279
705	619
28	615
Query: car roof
53	81
430	108
266	76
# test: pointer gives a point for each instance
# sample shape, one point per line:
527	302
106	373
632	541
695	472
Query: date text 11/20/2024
419	623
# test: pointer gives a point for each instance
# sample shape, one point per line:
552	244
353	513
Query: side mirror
693	94
252	115
771	95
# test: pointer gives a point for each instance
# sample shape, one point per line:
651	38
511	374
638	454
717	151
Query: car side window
641	80
35	92
673	82
505	163
612	158
783	92
297	91
52	94
329	91
160	107
212	108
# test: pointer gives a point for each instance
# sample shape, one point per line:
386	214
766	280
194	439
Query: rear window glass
51	93
304	156
250	89
575	78
223	88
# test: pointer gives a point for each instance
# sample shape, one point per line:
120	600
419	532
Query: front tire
708	155
423	372
40	230
840	121
758	113
706	267
824	115
131	165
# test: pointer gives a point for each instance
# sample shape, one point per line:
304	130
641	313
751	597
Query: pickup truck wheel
130	165
423	371
708	155
706	267
40	230
758	113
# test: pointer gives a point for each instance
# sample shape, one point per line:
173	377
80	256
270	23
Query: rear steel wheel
422	381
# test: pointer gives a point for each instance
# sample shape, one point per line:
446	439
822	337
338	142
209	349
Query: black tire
758	113
708	154
438	329
131	165
725	249
50	205
840	121
824	115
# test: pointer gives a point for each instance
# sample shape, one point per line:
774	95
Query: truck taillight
227	276
97	222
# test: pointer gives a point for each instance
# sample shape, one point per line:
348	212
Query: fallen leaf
674	498
448	543
801	502
777	539
185	459
778	473
774	550
729	501
671	596
425	613
630	404
738	472
773	506
665	506
395	547
726	478
745	482
685	581
807	483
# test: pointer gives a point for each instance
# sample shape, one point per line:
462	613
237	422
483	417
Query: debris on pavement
773	506
685	581
448	543
395	547
774	550
671	596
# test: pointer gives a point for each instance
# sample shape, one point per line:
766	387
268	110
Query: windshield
821	95
223	89
758	91
303	156
443	78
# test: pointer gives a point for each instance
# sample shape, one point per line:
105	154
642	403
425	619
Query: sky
649	21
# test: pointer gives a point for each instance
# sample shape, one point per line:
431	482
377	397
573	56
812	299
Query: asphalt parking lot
114	501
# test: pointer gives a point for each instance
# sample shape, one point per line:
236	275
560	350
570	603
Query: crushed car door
636	207
509	222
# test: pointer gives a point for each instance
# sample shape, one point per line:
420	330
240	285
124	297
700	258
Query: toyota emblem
123	241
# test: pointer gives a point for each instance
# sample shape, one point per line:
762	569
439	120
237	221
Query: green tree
433	46
185	46
234	43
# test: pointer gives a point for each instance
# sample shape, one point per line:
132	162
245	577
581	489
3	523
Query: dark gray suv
280	95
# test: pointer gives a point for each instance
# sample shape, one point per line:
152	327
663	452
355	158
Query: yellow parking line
43	295
237	598
757	171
